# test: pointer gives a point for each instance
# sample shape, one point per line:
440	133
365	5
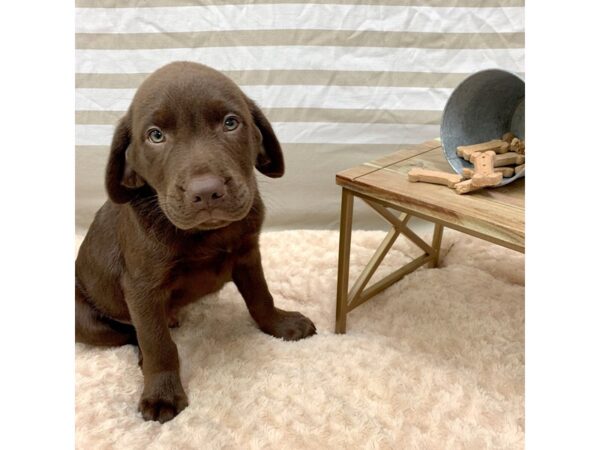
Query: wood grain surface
493	214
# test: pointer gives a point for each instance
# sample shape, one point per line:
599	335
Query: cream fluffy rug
436	361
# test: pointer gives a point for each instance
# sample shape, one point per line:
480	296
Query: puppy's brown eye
230	123
156	136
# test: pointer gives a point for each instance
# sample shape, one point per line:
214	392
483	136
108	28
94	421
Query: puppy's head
192	136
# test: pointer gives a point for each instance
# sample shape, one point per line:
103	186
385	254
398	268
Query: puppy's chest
200	273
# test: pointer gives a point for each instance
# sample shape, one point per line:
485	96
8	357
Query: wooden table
496	215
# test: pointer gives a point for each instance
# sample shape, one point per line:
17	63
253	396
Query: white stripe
295	96
103	99
299	16
304	133
304	58
342	133
93	134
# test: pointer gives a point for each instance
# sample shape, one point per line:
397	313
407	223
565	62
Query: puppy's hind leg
94	329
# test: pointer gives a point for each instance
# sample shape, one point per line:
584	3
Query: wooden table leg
436	244
341	309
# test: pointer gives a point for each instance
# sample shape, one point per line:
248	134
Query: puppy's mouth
212	224
202	220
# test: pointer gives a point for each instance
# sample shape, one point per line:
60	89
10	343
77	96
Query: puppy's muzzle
204	192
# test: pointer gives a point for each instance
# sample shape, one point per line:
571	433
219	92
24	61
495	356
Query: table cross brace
347	301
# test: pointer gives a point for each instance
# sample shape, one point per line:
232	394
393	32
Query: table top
493	214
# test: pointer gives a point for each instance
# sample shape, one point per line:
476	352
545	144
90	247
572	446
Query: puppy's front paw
289	325
163	397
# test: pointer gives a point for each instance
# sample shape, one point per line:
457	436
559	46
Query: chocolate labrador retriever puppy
183	218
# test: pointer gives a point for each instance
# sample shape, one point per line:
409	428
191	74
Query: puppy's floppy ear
121	181
270	157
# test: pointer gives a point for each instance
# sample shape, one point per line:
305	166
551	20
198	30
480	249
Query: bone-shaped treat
508	159
495	145
505	171
503	148
520	168
468	173
434	176
517	146
508	137
465	186
467	153
484	170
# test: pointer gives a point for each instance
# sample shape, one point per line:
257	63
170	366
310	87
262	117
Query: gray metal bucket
484	106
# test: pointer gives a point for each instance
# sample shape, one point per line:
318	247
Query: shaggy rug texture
434	362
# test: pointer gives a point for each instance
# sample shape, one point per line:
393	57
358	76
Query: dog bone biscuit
520	168
467	153
434	176
505	171
484	170
508	137
517	146
495	145
465	186
508	159
503	148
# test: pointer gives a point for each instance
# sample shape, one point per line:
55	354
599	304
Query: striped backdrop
341	83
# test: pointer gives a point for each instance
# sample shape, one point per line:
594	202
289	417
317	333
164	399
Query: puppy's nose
205	191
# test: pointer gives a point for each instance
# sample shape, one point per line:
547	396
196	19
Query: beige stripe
109	80
291	77
366	149
154	3
90	148
345	38
97	117
299	115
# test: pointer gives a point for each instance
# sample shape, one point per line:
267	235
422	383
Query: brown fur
156	246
